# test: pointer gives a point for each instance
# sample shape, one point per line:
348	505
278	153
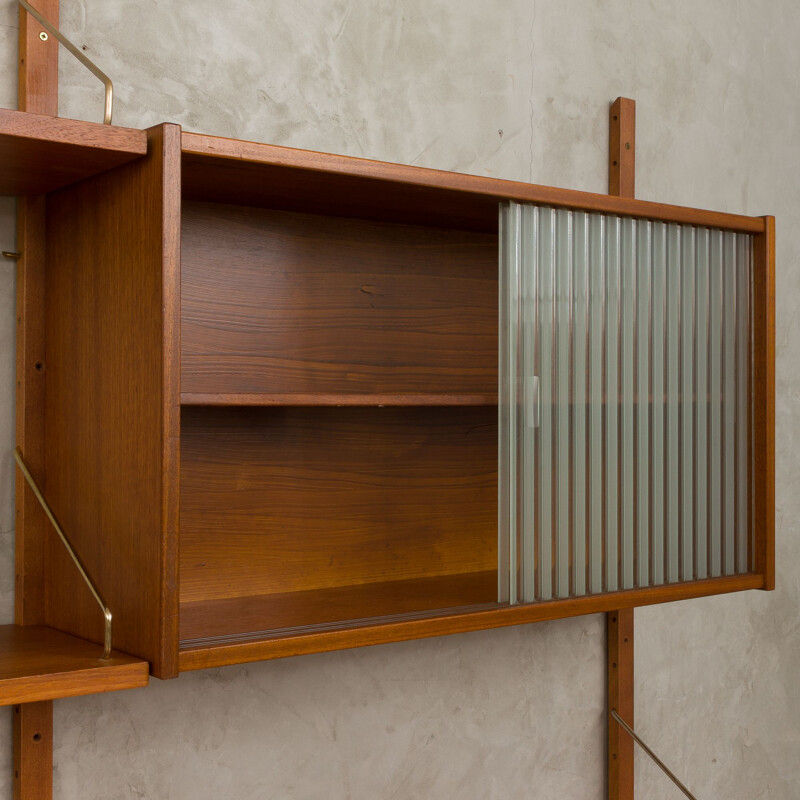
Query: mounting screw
627	145
43	36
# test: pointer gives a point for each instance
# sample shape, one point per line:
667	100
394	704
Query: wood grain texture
763	403
31	526
40	153
285	500
231	171
39	663
278	302
37	94
620	672
112	398
622	148
33	751
620	622
273	613
339	399
206	656
38	61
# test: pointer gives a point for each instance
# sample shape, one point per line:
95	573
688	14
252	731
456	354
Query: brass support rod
90	65
73	555
10	254
652	755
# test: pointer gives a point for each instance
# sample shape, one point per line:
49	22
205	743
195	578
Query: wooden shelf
254	174
38	663
221	651
309	399
222	324
40	154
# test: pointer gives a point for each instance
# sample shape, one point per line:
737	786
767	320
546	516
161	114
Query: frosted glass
580	404
624	404
701	437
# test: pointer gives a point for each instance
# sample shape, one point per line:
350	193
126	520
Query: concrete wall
514	89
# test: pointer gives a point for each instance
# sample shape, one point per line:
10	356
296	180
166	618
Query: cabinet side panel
763	399
111	401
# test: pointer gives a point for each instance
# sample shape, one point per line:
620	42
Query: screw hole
613	619
614	163
39	366
37	737
626	638
614	664
615	117
16	773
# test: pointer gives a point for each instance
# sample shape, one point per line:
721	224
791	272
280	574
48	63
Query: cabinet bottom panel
240	618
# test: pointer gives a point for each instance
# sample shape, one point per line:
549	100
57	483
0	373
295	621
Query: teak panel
273	614
112	400
40	154
285	303
231	171
32	527
285	500
38	663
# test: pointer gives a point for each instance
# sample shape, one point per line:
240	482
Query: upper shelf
38	663
40	154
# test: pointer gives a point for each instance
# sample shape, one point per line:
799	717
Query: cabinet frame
144	597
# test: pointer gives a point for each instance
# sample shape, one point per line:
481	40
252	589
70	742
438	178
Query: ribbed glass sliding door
624	403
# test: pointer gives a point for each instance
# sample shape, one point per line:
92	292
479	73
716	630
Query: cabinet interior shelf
267	399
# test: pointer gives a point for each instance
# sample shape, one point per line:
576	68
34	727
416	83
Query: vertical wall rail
33	751
37	93
619	624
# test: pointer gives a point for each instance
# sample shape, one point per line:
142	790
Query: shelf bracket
627	728
107	618
51	29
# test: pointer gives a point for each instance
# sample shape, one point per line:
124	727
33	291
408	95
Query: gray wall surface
513	89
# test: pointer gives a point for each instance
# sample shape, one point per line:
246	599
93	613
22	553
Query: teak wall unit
271	395
259	387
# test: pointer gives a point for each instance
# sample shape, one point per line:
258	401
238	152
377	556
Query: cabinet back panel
282	500
280	302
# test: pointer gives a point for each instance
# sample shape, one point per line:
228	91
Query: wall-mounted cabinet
271	413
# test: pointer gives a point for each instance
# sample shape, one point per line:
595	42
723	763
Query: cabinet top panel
247	173
39	154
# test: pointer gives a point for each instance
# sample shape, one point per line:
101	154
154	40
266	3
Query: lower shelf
274	615
256	646
38	663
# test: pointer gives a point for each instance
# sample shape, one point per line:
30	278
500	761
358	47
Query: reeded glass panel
624	408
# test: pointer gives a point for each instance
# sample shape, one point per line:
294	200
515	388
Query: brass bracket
90	65
73	555
650	753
